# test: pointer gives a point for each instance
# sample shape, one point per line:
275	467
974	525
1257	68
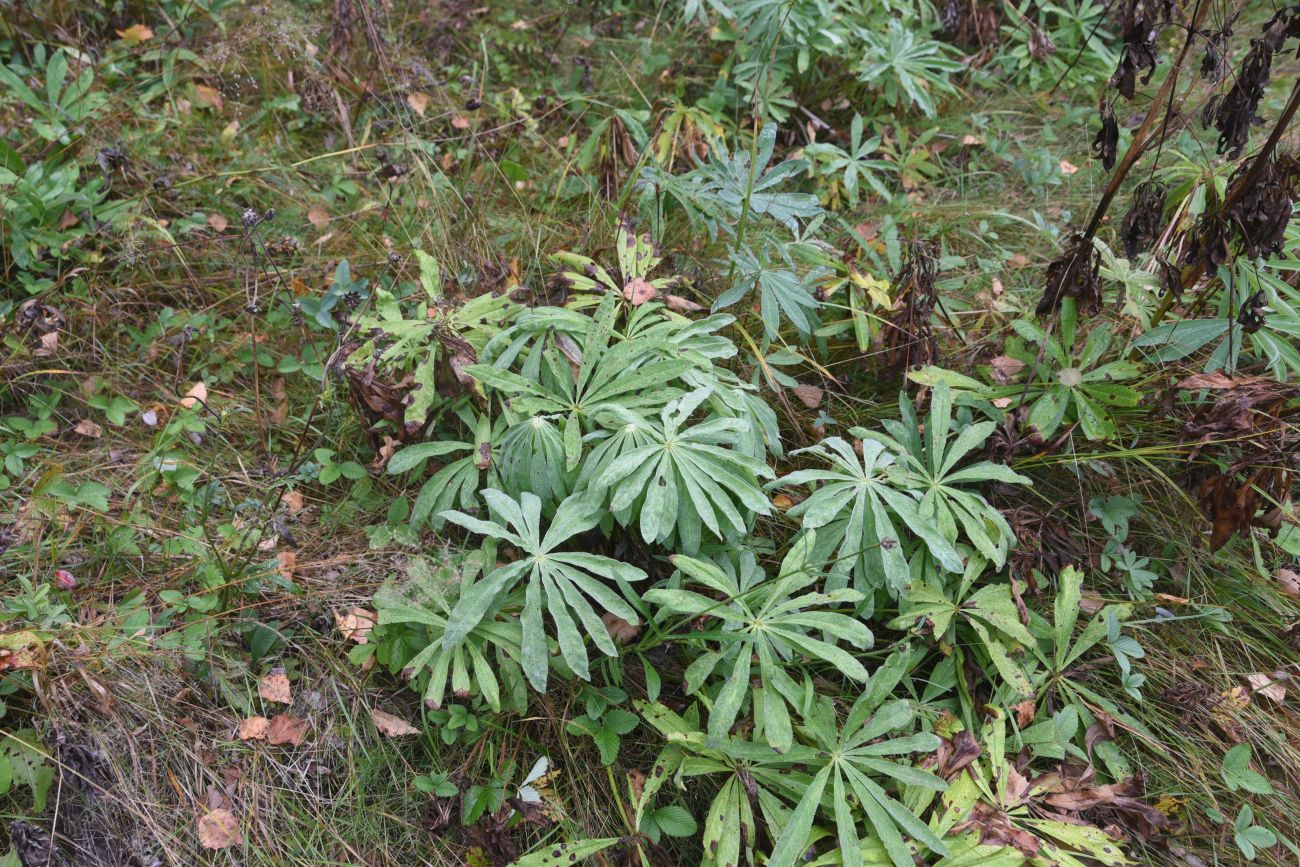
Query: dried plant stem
1194	274
1142	138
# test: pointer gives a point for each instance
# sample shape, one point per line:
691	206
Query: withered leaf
391	726
218	829
811	395
275	687
356	624
253	729
619	629
285	729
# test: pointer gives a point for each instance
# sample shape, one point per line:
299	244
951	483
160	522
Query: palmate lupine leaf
465	666
990	613
767	621
684	478
848	762
456	483
928	463
623	374
759	784
555	581
866	541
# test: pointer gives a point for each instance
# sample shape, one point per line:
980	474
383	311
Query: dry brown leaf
49	345
619	629
418	102
391	726
1091	603
275	687
1005	368
68	220
209	96
287	562
1025	712
783	501
639	290
218	222
218	829
136	33
253	728
318	216
197	395
458	122
1288	581
285	729
1268	685
811	395
356	624
682	305
293	501
88	428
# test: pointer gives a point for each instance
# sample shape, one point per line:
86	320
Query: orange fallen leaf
285	729
783	501
253	728
639	290
391	726
318	216
459	122
275	687
1068	168
218	829
356	624
288	561
197	395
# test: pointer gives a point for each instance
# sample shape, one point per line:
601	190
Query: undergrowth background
926	462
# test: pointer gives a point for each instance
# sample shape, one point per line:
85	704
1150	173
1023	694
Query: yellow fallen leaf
391	726
136	33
